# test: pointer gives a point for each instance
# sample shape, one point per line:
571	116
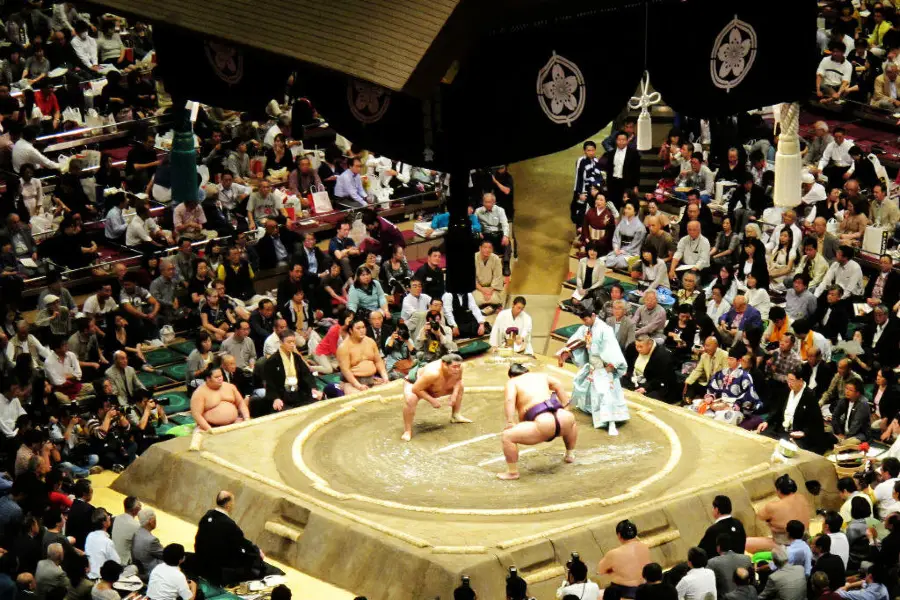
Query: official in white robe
513	318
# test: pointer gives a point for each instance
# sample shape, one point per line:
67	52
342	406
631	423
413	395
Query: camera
435	326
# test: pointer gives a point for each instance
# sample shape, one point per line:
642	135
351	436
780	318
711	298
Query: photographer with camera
464	591
399	353
109	431
516	587
577	582
435	339
145	415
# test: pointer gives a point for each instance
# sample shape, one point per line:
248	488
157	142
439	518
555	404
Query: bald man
692	251
223	553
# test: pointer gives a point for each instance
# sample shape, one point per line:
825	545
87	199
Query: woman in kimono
596	389
732	389
627	239
599	226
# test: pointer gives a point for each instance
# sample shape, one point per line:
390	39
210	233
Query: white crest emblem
227	61
560	90
733	54
367	102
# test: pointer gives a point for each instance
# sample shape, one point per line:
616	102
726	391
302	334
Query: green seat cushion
178	402
474	349
153	379
177	372
181	419
163	356
176	430
324	380
183	347
567	331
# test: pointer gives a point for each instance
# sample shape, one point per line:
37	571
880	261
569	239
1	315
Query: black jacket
631	169
756	200
273	374
833	566
220	545
322	262
661	383
807	418
387	328
837	320
78	524
733	527
824	375
885	350
890	293
240	380
265	248
260	329
859	425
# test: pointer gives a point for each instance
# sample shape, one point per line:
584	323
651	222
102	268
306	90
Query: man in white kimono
513	324
597	389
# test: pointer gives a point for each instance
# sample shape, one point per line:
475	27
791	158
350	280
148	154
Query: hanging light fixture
645	123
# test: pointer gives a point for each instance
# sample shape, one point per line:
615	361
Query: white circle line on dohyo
744	61
579	89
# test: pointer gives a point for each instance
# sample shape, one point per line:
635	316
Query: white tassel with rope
788	162
644	123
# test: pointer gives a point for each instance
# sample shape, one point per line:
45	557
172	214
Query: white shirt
92	306
696	584
271	345
693	252
137	232
411	305
815	194
717	310
167	583
884	498
24	153
271	133
56	369
469	301
584	591
85	49
619	162
791	407
840	546
839	154
123	530
812	376
879	329
99	548
231	197
10	410
833	73
848	277
16	347
504	321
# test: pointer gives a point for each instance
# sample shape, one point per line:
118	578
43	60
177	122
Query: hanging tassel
645	123
788	163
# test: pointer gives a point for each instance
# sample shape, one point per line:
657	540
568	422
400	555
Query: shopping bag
320	201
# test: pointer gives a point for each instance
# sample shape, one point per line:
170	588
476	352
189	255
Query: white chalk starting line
473	440
501	458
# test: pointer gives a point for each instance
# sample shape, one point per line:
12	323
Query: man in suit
124	378
235	376
826	244
817	373
832	315
732	324
712	360
277	246
828	563
726	563
884	288
880	337
650	370
622	324
744	589
146	549
852	414
49	575
788	582
748	199
315	263
379	329
799	416
288	380
623	169
724	524
79	524
222	553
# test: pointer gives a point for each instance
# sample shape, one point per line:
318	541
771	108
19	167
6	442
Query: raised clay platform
332	490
